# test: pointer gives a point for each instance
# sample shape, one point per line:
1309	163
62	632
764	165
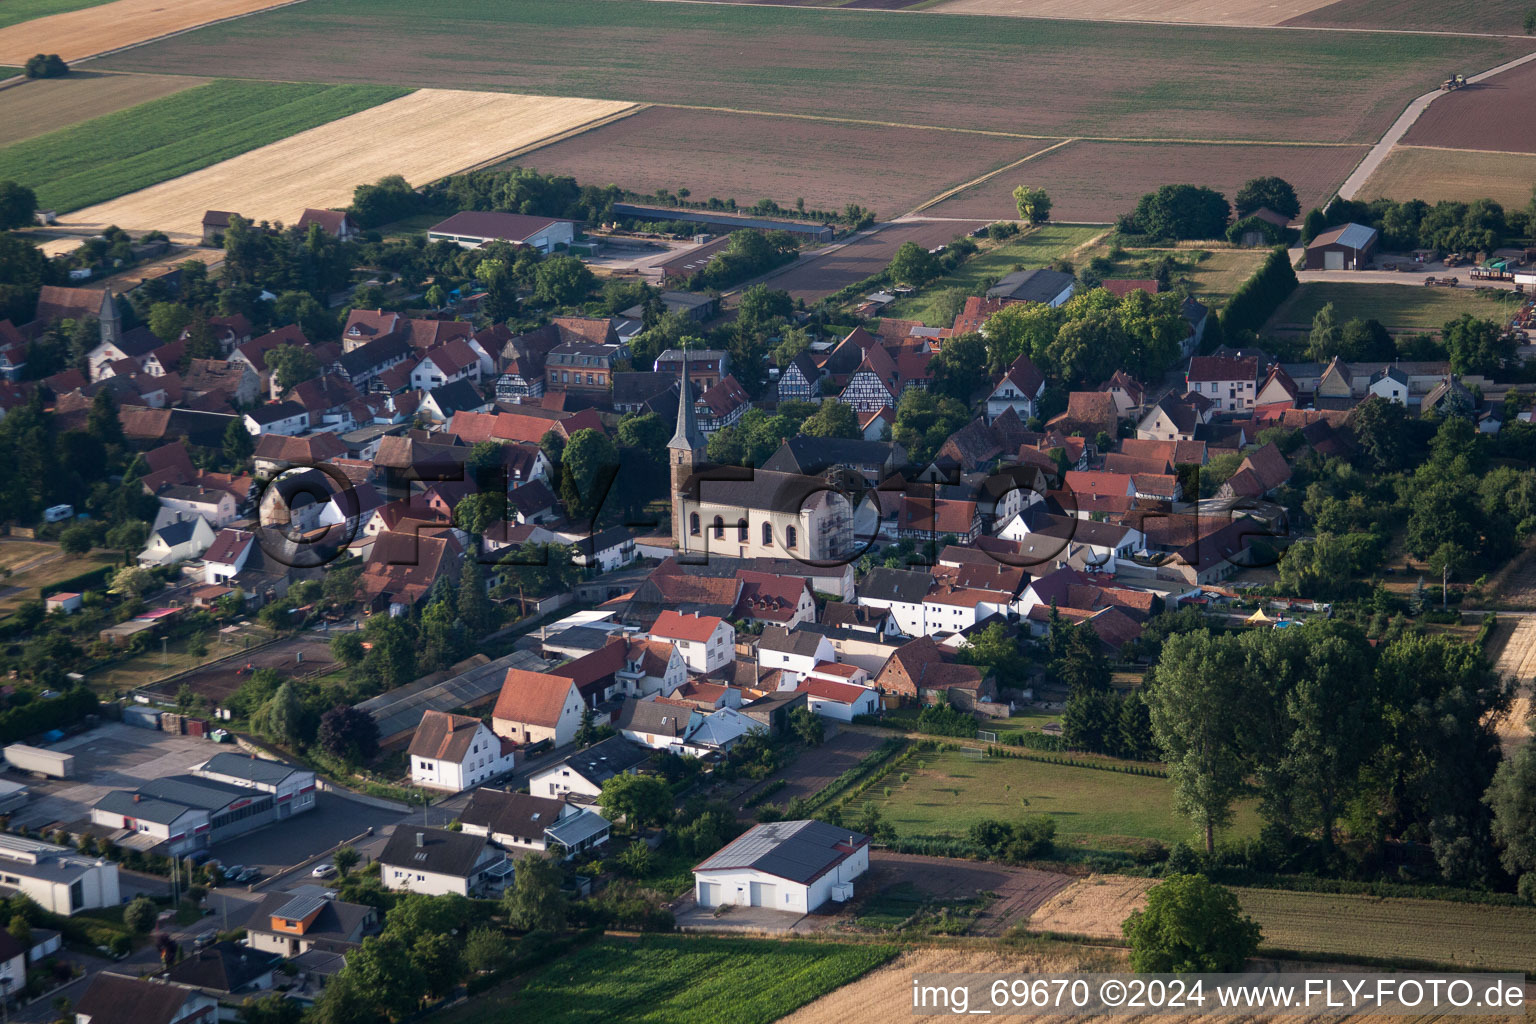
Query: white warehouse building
793	866
57	878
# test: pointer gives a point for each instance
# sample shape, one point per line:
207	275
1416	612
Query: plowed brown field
423	136
1493	114
1193	12
76	34
45	104
1098	181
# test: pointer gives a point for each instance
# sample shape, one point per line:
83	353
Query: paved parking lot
113	756
285	843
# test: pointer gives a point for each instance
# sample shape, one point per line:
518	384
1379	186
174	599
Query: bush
1527	887
1190	924
46	65
1259	296
140	914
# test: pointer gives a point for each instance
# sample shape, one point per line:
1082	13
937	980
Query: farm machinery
1449	282
1454	82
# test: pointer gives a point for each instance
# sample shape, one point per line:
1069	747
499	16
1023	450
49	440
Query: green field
1036	247
131	149
1032	77
1213	274
659	980
14	12
6	72
1094	810
1407	306
1464	934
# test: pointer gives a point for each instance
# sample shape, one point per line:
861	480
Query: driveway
751	920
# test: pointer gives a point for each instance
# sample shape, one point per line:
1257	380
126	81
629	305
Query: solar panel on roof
299	908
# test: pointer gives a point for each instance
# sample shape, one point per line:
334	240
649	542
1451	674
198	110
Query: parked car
231	872
324	870
248	875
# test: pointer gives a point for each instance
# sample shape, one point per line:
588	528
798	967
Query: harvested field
1482	116
448	131
1402	307
1489	938
1098	181
1020	891
1462	175
747	158
131	149
1094	906
1419	15
97	28
1512	650
885	995
1189	12
1095	79
47	104
817	275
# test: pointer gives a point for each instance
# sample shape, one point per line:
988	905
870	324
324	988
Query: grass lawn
142	669
1404	306
122	152
14	12
27	567
1036	247
1214	274
660	980
1021	721
1094	809
1464	934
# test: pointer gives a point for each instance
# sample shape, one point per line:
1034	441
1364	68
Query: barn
794	866
1349	247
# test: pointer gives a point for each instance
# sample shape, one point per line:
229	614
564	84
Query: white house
55	877
13	965
213	504
796	652
719	730
660	723
840	701
1230	383
436	862
177	541
793	866
900	592
227	556
456	752
581	776
523	822
706	642
613	548
453	361
650	666
1391	384
1019	389
535	706
288	418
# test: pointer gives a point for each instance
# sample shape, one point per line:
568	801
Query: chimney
421	839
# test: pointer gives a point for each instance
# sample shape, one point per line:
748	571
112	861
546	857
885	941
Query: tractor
1454	82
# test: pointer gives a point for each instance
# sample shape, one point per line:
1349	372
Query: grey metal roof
1351	236
253	769
797	851
191	791
162	812
577	828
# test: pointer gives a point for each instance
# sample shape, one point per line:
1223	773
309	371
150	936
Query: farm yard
1402	307
448	131
1483	115
48	104
75	29
748	157
1035	247
1167	81
949	791
1492	938
1462	175
1418	15
131	149
659	979
1098	181
819	274
1189	12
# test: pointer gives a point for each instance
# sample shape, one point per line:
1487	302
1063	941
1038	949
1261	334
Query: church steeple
685	453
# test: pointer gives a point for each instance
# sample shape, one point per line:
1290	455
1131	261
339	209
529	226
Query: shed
794	866
1348	247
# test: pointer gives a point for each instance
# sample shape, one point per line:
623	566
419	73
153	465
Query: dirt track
91	30
423	136
1196	12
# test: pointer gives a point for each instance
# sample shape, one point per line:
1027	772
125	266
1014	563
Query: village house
839	701
1019	389
707	643
289	924
535	706
456	752
581	776
336	223
519	821
793	652
923	669
437	862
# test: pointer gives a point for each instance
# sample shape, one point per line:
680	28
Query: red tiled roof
532	698
826	689
673	625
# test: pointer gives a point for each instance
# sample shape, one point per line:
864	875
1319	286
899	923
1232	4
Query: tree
1324	341
102	421
832	419
345	858
807	726
995	651
1381	432
761	306
45	65
280	719
76	540
1512	798
1194	705
343	1001
272	1008
485	950
562	281
387	979
638	799
1181	211
131	581
168	319
347	648
913	264
1032	203
591	460
1190	925
18	205
535	902
20	929
1273	193
474	606
292	365
1478	346
349	734
1530	22
438	959
139	915
315	321
238	442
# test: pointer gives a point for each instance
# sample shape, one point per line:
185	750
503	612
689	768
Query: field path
424	136
89	31
1405	121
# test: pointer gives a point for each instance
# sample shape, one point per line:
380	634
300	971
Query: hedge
92	579
1257	298
1103	766
39	715
870	767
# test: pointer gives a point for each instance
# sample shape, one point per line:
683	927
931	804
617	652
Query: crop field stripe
118	153
989	175
570	133
15	12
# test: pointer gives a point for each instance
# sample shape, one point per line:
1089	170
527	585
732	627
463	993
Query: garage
1348	247
764	894
787	866
709	894
1333	260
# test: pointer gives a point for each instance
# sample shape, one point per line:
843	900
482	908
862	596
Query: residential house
1261	471
235	380
536	706
706	366
518	821
228	555
922	669
443	402
277	418
1391	384
1175	419
707	643
794	866
768	598
800	381
1230	383
456	752
1019	389
292	923
277	452
1128	394
606	551
225	971
793	652
183	538
1052	287
900	592
336	223
436	862
873	461
582	366
134	346
722	405
1089	413
659	723
839	701
581	776
445	364
112	998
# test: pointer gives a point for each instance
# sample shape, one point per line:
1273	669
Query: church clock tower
685	454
